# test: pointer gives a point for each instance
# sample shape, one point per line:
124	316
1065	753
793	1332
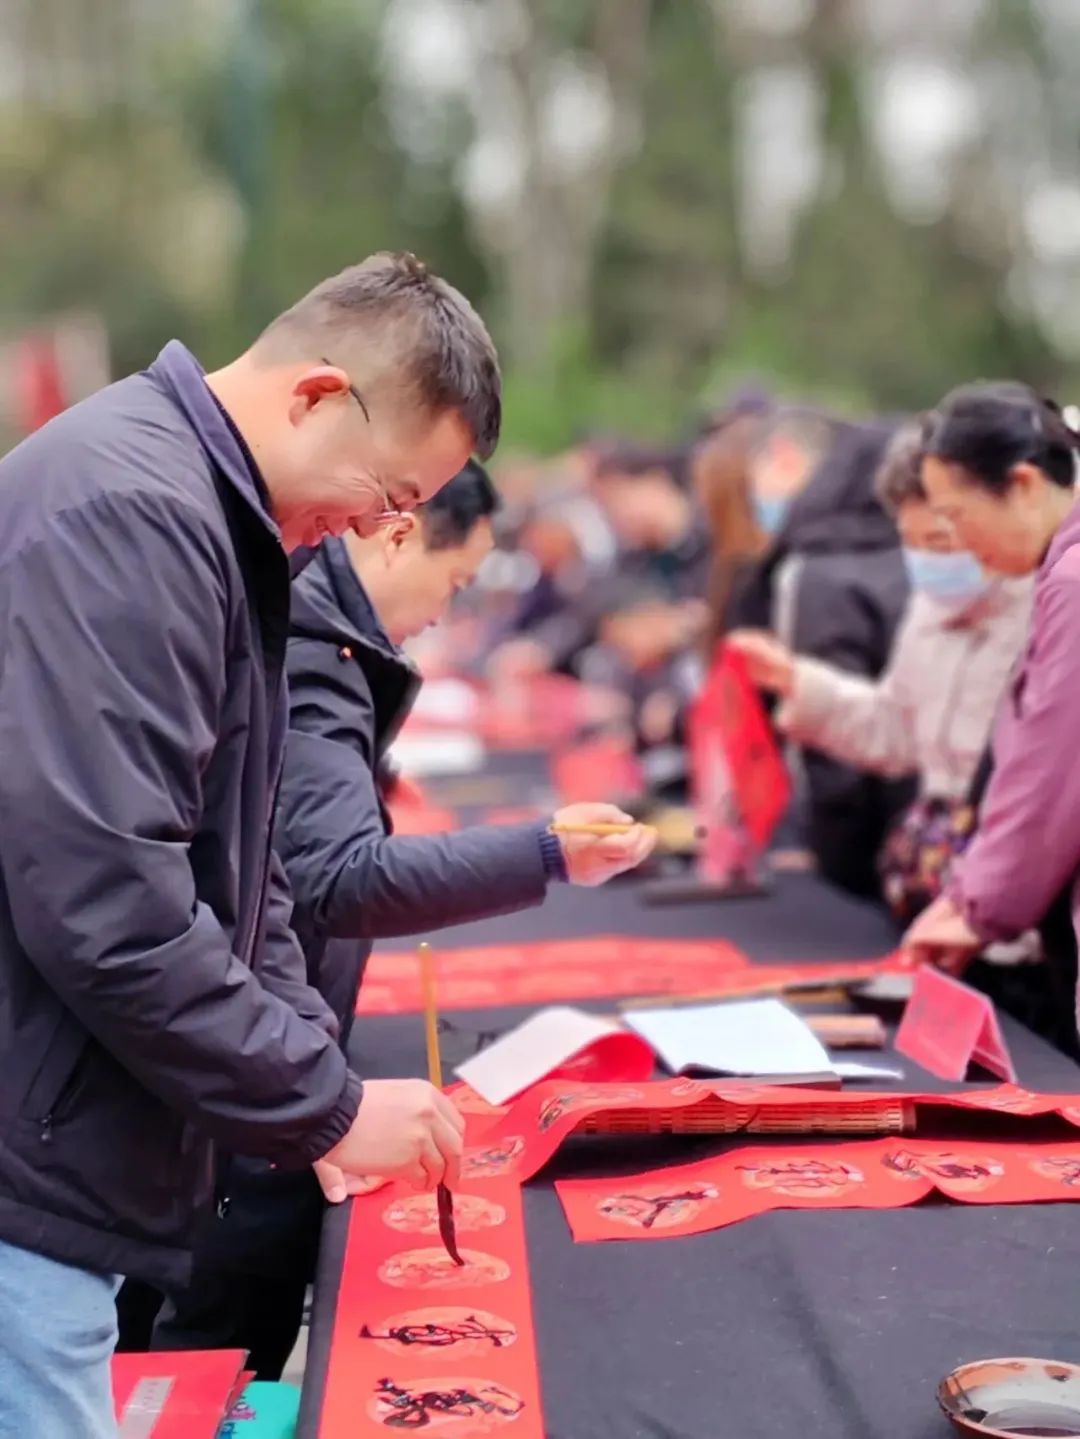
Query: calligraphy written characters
813	1178
447	1332
967	1172
434	1269
438	1403
659	1210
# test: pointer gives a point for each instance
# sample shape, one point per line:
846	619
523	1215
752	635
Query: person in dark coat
350	690
832	586
153	1001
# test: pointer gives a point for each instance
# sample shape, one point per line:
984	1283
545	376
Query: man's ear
319	382
397	535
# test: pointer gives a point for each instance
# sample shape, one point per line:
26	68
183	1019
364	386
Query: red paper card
873	1174
419	1343
174	1395
541	972
947	1026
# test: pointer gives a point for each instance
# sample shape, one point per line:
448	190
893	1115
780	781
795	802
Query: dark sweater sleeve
348	877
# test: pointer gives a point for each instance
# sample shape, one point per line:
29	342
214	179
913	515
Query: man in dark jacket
350	689
152	999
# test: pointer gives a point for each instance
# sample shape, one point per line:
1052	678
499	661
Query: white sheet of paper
524	1055
448	701
756	1036
851	1069
448	752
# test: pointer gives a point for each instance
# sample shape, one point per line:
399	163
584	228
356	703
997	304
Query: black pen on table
444	1200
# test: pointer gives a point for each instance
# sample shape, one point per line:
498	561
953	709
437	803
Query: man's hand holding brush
600	841
404	1129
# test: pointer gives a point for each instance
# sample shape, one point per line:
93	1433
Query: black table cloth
793	1323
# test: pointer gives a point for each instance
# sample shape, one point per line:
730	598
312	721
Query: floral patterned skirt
918	852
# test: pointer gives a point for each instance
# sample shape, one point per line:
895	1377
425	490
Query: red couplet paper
603	768
872	1174
518	1139
175	1396
947	1026
422	1344
542	972
728	730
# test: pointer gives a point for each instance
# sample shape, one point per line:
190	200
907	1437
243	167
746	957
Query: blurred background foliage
856	201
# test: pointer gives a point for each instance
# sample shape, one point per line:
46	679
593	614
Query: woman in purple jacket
1001	466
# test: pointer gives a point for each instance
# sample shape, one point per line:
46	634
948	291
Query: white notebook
753	1038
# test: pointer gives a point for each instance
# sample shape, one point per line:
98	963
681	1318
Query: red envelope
947	1026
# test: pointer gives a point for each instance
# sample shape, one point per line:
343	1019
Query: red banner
421	1343
541	972
518	1139
872	1174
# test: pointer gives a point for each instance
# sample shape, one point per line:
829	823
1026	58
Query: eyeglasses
357	396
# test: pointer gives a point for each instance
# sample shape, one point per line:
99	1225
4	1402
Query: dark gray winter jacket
151	996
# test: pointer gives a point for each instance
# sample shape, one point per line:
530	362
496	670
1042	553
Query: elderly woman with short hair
931	712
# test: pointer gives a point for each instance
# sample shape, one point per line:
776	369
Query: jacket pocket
58	1076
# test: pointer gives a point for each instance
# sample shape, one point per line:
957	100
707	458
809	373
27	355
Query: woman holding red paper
931	712
1000	466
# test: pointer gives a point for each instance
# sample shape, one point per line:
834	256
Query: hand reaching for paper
594	859
770	663
942	936
404	1129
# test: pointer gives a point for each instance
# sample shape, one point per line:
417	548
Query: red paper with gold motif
559	969
522	1136
420	1343
870	1174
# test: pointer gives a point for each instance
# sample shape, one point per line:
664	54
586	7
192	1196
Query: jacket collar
1067	536
329	603
179	374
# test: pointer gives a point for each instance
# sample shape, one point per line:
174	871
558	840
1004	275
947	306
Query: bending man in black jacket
350	688
152	997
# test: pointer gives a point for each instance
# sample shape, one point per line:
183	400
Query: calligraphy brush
444	1200
600	830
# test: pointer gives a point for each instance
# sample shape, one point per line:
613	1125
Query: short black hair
988	427
428	331
631	461
899	476
452	513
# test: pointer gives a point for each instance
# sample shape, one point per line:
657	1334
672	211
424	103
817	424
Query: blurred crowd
878	578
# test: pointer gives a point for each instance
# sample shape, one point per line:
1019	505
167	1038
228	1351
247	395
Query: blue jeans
57	1336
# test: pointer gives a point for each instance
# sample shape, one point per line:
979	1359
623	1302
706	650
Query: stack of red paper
176	1396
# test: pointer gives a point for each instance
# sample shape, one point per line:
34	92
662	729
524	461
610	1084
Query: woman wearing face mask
930	713
1000	467
830	584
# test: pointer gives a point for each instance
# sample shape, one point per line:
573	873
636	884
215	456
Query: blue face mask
770	511
955	579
